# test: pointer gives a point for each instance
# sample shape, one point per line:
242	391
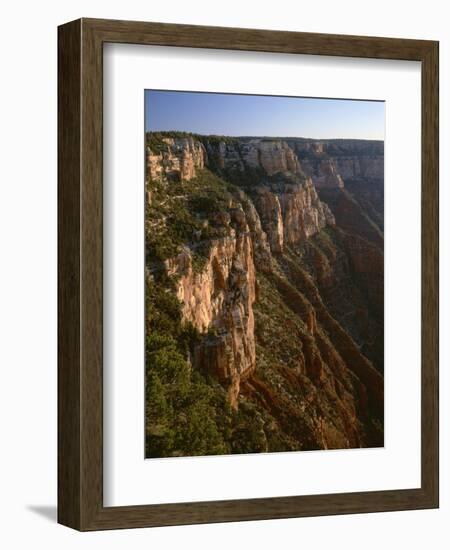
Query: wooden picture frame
80	271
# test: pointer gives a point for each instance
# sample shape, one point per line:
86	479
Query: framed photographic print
248	274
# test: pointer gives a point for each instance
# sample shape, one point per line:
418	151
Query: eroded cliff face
357	166
272	299
285	209
286	199
291	212
180	159
272	156
269	207
269	156
218	302
330	163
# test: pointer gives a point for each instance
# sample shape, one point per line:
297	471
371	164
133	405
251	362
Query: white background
128	478
28	275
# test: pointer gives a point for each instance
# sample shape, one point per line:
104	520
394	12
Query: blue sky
252	115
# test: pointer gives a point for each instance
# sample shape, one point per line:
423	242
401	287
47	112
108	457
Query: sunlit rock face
330	163
218	302
289	300
180	160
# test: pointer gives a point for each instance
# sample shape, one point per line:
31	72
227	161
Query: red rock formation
180	159
218	302
304	365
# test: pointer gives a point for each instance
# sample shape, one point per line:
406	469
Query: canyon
268	254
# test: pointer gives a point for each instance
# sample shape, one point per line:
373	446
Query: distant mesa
264	273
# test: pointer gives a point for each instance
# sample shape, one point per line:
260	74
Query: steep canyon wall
284	255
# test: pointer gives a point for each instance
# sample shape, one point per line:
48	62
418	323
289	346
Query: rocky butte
273	248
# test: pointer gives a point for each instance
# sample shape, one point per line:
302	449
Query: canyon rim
264	278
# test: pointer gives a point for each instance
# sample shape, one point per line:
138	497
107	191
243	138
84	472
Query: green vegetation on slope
187	411
290	402
154	140
185	214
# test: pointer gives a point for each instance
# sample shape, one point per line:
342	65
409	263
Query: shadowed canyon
264	294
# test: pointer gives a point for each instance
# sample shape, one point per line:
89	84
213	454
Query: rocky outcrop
336	148
269	208
324	174
288	315
179	159
291	214
261	246
218	302
286	200
304	214
330	163
331	173
272	156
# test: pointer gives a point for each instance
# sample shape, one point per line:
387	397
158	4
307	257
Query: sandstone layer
288	298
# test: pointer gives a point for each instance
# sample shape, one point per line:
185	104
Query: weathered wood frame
80	414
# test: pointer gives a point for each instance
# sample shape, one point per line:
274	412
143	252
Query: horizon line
248	136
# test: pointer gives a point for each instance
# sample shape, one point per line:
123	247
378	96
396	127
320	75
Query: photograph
264	274
222	300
